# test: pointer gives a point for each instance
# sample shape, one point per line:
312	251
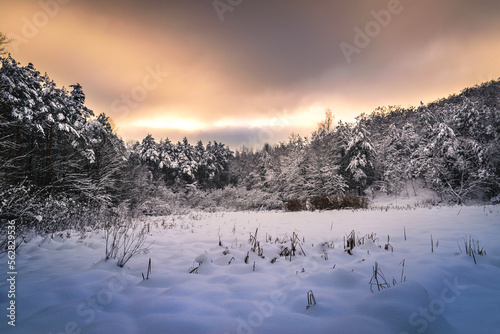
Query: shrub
123	240
354	202
335	203
295	204
229	198
321	202
39	213
236	198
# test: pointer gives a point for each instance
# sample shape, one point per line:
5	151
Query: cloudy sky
246	72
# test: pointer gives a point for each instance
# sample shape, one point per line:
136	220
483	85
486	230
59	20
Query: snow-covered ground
64	286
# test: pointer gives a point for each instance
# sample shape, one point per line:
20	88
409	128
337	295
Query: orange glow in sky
260	71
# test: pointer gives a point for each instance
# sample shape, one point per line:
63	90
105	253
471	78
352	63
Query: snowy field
64	286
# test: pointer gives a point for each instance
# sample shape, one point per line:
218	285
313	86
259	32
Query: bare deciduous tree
3	42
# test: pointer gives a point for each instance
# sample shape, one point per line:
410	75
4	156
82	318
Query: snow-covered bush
124	240
326	203
232	198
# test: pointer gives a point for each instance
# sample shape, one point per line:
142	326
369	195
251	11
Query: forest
63	165
249	167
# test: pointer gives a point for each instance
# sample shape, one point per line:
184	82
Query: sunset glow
180	124
176	69
208	166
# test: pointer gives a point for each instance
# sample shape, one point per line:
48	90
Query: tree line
53	149
451	146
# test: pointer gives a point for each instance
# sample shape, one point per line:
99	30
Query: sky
247	72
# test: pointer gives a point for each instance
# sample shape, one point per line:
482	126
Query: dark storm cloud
267	59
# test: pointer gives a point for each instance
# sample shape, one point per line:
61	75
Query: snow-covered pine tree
149	153
360	155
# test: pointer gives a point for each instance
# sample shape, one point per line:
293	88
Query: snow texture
64	286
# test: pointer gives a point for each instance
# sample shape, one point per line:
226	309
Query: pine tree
149	153
360	154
